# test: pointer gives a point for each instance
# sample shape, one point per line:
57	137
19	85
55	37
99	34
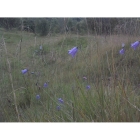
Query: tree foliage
45	26
42	26
9	23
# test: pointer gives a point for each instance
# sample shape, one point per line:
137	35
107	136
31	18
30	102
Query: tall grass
113	78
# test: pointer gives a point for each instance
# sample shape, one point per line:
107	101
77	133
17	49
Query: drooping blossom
45	85
37	97
40	47
135	45
24	71
122	51
58	107
73	51
60	100
88	87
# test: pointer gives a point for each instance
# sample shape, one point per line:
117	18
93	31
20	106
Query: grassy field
114	79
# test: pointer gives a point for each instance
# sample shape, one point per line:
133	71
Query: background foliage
45	26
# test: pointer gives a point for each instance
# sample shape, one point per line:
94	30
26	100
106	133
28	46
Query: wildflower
58	108
122	51
45	85
40	47
85	78
37	97
60	100
73	51
24	71
88	87
135	45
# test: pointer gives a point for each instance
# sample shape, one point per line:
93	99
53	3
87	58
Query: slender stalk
11	80
132	104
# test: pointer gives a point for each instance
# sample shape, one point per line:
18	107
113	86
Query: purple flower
58	108
122	51
45	85
73	51
24	71
60	100
37	97
88	87
135	45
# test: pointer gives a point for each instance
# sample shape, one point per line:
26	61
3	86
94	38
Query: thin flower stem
132	105
11	80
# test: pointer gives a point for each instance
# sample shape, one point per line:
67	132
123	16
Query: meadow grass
113	78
